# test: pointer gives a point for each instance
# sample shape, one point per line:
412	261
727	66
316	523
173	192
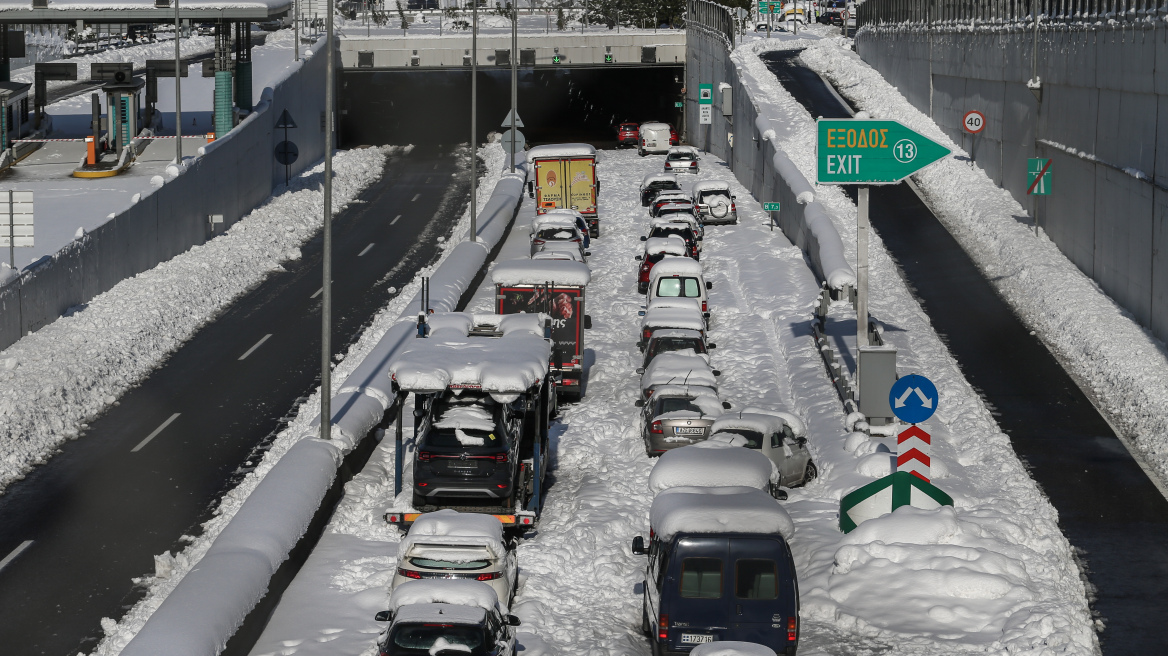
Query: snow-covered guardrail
206	608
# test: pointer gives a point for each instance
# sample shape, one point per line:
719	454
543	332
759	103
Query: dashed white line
156	432
258	344
318	292
427	180
365	250
15	552
395	219
416	197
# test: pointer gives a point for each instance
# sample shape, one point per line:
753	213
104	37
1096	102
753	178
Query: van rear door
761	590
695	597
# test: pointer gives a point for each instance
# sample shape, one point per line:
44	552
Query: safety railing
1083	12
712	18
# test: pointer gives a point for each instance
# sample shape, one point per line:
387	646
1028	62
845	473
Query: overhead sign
866	151
1038	177
770	207
973	121
705	94
16	225
913	399
507	121
165	67
50	71
770	7
885	495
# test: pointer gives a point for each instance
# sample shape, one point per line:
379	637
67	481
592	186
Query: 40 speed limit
973	121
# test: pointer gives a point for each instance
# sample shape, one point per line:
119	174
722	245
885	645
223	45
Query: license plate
696	638
653	144
688	431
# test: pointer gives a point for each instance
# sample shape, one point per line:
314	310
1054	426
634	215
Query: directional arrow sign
913	399
864	151
885	495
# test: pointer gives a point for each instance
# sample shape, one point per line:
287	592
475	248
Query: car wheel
641	152
809	474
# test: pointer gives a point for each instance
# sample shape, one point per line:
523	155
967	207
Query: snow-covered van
565	177
441	616
558	289
715	202
678	277
719	569
656	248
655	138
483	398
713	464
448	544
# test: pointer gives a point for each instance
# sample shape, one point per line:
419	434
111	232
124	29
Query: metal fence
943	12
711	18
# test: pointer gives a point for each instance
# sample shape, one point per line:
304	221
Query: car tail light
538	241
792	627
663	627
424	456
733	207
643	142
704	307
502	457
646	334
656	428
644	274
409	573
489	577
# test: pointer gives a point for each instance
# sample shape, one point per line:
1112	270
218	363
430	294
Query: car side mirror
640	403
587	253
640	313
644	238
640	370
709	286
726	405
530	189
711	346
639	546
801	441
639	258
587	322
778	493
383	616
717	373
512	620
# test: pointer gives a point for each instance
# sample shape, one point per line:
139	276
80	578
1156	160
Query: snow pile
1121	363
731	648
712	464
457	592
732	509
450	528
538	272
71	370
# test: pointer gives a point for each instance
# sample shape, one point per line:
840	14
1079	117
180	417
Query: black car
467	450
681	230
656	185
675	339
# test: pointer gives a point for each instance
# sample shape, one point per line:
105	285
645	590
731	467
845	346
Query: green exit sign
556	59
770	207
678	103
866	151
608	59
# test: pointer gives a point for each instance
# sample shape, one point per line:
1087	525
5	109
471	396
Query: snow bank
457	592
732	648
538	272
712	464
735	509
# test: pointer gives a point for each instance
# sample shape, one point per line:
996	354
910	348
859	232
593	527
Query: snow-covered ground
54	380
1117	361
991	575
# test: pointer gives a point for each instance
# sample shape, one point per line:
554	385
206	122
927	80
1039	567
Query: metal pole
178	156
514	76
326	387
862	267
11	233
474	97
296	29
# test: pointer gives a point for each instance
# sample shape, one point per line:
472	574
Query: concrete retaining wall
236	174
1104	96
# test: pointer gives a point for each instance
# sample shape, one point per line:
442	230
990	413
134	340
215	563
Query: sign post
1039	183
286	151
973	122
771	209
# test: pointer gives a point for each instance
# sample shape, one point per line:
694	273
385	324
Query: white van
655	138
675	277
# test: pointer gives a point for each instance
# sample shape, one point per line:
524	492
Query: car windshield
682	156
663	184
429	563
675	404
753	438
463	422
559	234
434	638
668	344
665	232
673	287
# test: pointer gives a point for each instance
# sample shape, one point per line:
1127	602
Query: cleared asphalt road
77	530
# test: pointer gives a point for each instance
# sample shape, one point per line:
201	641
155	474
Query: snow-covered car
713	464
655	183
677	416
671	340
781	437
678	277
448	544
714	202
657	317
666	197
719	569
681	159
556	232
677	369
665	228
655	138
656	248
681	213
581	223
442	616
761	26
557	253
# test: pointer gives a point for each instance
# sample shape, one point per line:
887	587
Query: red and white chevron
912	454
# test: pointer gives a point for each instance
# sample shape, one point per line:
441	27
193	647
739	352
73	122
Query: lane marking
365	250
318	293
427	180
261	342
395	219
15	552
156	432
416	197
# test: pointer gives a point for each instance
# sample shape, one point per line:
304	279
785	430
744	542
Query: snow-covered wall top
86	9
561	150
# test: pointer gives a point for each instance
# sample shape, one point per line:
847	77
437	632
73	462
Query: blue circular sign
913	399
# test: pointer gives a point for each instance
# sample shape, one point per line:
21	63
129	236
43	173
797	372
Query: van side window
756	579
691	288
701	578
662	566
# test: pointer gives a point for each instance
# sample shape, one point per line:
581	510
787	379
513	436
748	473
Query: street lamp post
474	97
326	387
514	76
177	92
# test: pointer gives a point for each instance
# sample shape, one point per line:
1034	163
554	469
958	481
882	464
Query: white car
654	138
678	277
448	544
681	159
555	232
780	436
446	617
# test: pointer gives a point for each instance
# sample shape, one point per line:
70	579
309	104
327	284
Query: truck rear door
551	185
582	185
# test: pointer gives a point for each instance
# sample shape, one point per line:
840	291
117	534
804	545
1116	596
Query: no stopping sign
973	121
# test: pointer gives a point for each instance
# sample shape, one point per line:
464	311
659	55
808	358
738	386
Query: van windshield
756	578
433	638
678	287
701	578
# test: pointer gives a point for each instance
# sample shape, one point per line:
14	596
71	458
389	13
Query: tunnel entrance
556	104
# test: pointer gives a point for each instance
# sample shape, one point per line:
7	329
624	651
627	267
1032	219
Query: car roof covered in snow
658	177
669	244
538	272
562	211
675	207
561	150
677	333
673	317
555	221
678	369
732	648
451	528
707	401
692	391
683	149
765	424
456	592
712	464
655	125
504	366
438	613
671	193
556	252
798	427
676	266
711	185
737	509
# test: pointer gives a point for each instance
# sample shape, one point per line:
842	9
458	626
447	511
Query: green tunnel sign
865	151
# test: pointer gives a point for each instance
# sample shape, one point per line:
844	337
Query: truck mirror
639	546
383	616
711	346
531	189
587	322
726	405
709	286
640	370
640	403
644	238
513	620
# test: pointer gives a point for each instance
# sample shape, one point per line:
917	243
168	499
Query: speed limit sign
974	121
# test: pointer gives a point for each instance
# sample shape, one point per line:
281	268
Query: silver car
557	234
678	415
714	201
779	435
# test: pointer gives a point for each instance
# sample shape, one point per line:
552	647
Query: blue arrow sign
913	399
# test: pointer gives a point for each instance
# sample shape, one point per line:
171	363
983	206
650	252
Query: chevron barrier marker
914	447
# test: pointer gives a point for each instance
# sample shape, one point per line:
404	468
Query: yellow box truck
565	177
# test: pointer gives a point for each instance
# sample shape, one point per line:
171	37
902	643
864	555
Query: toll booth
123	101
14	120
